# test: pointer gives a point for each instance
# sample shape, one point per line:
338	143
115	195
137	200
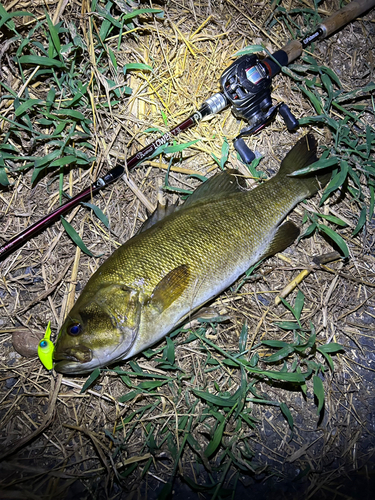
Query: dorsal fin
158	214
224	183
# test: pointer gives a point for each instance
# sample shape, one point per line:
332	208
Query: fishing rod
246	87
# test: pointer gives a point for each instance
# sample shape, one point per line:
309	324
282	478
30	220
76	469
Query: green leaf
279	355
166	491
372	201
216	400
100	215
5	16
170	351
216	440
354	94
298	305
54	34
64	160
72	233
71	113
361	221
287	414
243	338
179	147
224	153
313	99
333	219
327	84
332	75
26	105
336	238
250	49
41	61
151	384
94	375
136	66
291	74
112	57
337	181
165	118
317	165
139	12
332	348
318	392
4	181
275	343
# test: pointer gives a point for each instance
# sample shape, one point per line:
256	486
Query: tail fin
300	156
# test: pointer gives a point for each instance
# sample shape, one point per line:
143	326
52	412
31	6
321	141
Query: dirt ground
106	442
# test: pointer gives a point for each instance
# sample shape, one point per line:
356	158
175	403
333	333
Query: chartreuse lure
46	348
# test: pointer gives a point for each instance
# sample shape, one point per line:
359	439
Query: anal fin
284	237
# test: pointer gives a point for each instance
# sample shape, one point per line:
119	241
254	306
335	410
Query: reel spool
246	85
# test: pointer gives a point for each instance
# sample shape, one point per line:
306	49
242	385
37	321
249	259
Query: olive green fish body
159	277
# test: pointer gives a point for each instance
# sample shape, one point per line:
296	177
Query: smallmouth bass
173	266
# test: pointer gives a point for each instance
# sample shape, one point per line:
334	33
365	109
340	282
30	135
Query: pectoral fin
284	236
170	287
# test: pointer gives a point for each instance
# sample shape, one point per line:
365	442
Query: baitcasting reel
246	85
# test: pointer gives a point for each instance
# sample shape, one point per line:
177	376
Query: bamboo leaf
216	400
54	34
333	219
216	440
331	348
100	215
152	384
139	12
361	221
298	305
170	351
313	99
243	338
72	233
287	414
317	165
64	160
318	392
279	355
250	49
5	17
41	61
136	66
94	375
179	147
4	181
336	238
26	105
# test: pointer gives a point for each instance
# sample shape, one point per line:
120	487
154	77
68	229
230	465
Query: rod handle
345	15
293	50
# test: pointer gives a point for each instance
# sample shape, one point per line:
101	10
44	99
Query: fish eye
74	329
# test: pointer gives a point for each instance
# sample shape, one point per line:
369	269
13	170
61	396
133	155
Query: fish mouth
77	360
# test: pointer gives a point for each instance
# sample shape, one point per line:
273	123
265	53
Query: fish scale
162	275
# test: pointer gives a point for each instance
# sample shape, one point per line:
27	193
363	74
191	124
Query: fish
180	260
